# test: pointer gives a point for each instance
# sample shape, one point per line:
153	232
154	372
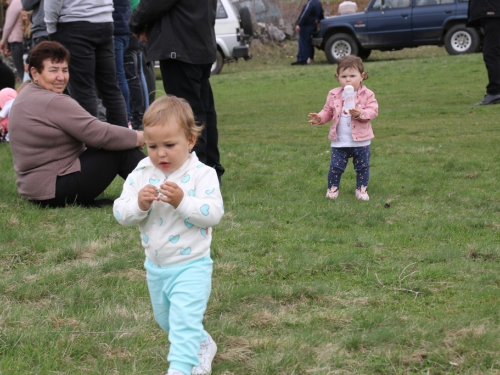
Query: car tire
460	40
218	64
246	21
339	45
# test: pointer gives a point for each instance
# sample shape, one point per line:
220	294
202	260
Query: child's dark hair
351	61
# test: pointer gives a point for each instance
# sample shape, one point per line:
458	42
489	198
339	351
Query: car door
429	17
389	23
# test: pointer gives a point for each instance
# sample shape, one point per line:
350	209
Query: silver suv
233	30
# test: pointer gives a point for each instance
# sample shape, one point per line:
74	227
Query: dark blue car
389	25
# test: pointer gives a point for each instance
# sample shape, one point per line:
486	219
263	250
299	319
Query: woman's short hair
171	108
53	51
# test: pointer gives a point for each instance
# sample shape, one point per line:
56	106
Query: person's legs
105	75
98	169
136	89
305	33
79	40
361	161
148	74
179	296
184	81
338	164
191	82
491	53
17	51
212	133
121	43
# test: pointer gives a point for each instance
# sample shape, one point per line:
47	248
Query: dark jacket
479	9
311	14
121	17
181	30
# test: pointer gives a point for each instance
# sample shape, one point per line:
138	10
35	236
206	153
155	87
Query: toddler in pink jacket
7	96
351	130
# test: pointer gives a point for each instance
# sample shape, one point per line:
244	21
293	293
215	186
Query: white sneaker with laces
206	355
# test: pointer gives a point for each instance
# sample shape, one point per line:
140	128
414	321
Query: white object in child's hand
348	97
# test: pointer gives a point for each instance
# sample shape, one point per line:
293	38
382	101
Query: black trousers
191	82
98	169
491	53
92	68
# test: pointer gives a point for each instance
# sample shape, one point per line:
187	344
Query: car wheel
218	64
460	40
340	45
246	21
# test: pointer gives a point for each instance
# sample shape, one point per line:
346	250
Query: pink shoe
333	192
362	194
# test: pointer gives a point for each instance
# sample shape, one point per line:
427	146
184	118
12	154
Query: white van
233	30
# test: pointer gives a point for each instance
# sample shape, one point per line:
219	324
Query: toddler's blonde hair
171	108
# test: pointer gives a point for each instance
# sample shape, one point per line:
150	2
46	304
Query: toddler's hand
172	194
355	112
147	195
314	119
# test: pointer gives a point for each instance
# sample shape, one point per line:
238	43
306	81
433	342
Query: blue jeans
121	44
92	68
338	163
305	46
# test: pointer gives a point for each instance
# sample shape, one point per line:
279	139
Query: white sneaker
174	372
362	194
206	355
310	61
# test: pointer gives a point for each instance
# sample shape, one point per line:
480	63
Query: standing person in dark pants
181	36
85	28
486	14
306	25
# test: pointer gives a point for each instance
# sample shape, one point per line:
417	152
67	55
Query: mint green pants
179	295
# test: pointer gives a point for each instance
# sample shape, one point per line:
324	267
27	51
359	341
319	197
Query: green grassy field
407	283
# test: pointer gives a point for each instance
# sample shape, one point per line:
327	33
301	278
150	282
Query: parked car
263	11
233	30
388	25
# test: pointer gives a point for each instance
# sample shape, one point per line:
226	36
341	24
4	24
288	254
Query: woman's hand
172	194
140	139
314	119
147	195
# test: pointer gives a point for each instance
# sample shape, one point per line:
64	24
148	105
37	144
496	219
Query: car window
221	12
424	3
392	4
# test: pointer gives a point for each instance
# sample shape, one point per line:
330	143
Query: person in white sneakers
351	130
175	199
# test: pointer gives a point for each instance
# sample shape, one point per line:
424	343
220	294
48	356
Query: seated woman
62	154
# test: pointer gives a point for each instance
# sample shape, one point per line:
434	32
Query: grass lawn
407	283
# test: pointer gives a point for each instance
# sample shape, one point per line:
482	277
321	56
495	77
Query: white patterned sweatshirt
173	236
